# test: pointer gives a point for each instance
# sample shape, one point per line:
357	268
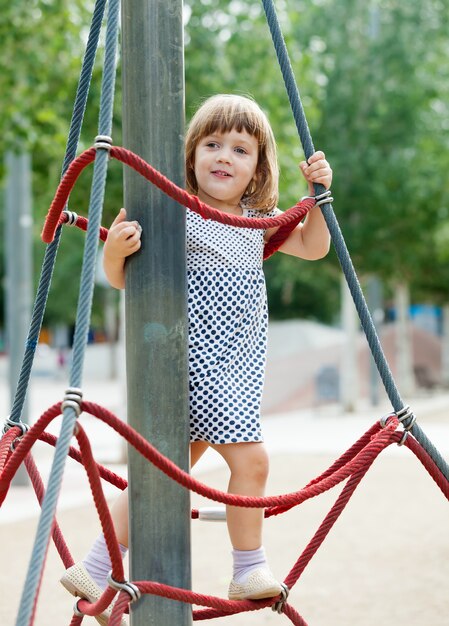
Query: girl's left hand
316	170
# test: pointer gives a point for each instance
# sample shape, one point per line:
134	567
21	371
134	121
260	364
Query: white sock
246	561
98	562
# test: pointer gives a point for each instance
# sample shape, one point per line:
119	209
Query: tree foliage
44	42
381	121
375	90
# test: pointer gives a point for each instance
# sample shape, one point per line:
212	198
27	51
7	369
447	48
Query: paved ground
385	562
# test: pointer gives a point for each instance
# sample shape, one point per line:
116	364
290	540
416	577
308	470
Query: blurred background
374	81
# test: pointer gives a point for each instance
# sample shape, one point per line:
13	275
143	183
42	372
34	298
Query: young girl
231	164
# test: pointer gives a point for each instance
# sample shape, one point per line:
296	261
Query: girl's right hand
123	237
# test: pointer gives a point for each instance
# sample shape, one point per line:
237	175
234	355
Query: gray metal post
18	263
156	316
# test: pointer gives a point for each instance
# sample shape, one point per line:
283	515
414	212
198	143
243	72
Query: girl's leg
248	463
119	510
252	578
119	513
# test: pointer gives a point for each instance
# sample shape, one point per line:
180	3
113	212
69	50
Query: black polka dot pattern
228	322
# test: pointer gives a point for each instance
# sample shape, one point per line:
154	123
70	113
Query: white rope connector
73	398
212	514
71	217
131	589
103	142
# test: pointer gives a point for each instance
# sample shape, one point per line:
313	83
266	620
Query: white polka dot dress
228	320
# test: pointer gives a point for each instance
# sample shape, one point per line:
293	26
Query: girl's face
225	164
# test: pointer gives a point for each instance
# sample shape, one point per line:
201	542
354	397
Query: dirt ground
386	561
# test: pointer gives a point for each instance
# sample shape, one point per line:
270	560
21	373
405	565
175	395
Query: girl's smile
225	164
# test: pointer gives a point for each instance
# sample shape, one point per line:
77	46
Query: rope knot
72	399
131	589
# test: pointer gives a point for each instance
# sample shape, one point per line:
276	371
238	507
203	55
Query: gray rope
37	559
51	250
339	243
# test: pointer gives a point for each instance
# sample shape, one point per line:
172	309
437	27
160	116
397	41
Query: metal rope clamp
131	589
385	418
9	423
403	415
324	198
103	142
76	610
72	399
278	606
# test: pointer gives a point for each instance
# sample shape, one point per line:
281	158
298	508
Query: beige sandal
260	584
79	583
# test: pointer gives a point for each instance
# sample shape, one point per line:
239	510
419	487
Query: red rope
286	221
380	441
39	490
82	223
345	458
352	465
376	445
104	514
105	473
5	444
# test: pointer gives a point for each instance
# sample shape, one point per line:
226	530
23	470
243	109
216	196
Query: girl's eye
240	150
211	144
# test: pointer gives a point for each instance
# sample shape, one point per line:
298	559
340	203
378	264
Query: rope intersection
350	467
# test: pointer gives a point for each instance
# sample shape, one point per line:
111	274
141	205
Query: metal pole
156	304
18	263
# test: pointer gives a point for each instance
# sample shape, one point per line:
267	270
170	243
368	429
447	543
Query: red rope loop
352	465
55	216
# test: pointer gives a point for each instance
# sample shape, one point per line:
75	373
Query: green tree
43	44
378	126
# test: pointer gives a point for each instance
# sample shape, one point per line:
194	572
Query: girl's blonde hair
223	113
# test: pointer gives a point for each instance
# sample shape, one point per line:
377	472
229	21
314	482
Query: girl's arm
310	240
122	241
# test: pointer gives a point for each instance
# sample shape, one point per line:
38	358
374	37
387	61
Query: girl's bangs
234	116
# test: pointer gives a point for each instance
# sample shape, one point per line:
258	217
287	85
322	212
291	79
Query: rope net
349	470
